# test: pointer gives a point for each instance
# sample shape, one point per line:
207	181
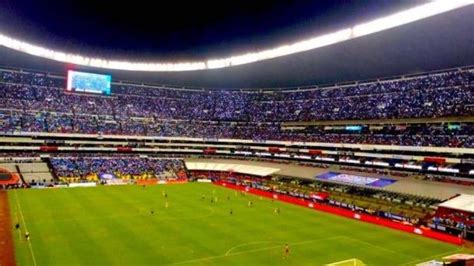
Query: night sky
180	30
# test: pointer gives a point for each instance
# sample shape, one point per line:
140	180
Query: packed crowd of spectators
459	220
38	103
420	135
121	167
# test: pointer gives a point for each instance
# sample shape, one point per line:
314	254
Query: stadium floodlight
423	11
408	16
293	48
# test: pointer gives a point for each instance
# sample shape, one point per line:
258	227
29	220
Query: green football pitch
115	226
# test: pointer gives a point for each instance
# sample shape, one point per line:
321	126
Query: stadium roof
437	42
463	202
200	31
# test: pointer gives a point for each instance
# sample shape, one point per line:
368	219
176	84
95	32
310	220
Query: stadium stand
9	166
34	102
455	216
100	166
95	168
36	173
422	126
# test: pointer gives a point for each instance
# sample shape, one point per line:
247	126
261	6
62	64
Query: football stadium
267	133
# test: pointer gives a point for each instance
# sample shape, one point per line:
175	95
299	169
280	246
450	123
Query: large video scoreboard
88	82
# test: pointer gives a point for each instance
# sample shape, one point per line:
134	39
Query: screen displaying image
88	82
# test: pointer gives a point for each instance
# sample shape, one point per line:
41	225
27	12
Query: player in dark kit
287	250
17	226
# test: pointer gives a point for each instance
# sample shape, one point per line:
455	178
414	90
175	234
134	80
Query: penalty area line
342	262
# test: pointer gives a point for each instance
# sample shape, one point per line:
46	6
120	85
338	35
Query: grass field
114	226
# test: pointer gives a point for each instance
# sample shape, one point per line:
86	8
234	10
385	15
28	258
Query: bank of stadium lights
306	45
410	15
404	17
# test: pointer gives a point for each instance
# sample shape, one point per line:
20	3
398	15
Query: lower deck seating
11	167
126	168
36	173
45	178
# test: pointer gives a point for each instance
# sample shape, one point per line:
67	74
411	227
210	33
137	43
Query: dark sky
181	30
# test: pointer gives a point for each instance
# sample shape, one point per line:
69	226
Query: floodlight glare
401	18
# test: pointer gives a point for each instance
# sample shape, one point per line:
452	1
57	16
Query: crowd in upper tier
39	103
414	135
123	167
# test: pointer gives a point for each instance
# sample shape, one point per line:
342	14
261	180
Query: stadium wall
348	214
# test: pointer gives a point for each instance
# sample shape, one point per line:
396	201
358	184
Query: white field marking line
432	257
19	230
375	246
343	261
250	244
254	250
26	228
